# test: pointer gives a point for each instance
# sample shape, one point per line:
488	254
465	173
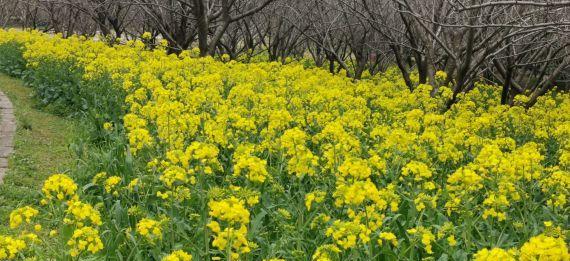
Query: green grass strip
41	148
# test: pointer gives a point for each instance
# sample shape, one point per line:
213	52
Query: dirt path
7	130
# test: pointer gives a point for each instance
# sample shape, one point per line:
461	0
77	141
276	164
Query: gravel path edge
7	130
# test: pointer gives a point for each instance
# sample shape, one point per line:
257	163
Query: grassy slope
41	148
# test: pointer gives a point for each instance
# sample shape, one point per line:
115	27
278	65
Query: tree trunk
203	26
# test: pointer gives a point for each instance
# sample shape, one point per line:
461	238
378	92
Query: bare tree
180	21
111	17
7	12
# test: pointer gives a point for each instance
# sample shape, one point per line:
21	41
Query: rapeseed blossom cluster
425	235
150	229
178	255
494	254
229	225
544	247
23	214
111	185
83	240
10	247
263	160
59	187
82	214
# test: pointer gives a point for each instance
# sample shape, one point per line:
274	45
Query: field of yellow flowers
220	160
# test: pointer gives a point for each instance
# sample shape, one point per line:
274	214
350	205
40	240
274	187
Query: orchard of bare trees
523	46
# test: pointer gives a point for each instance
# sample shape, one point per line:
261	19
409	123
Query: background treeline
524	46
